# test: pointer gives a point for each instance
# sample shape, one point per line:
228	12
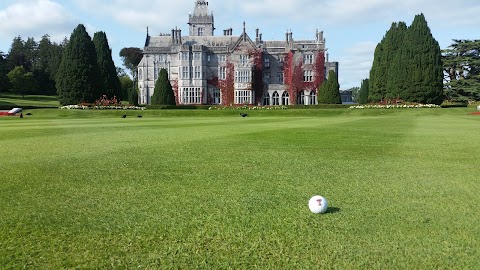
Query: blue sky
352	28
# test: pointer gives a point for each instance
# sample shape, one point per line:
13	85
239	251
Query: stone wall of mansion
233	70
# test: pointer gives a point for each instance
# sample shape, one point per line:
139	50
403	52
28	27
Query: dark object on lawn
28	114
139	116
21	115
124	116
243	115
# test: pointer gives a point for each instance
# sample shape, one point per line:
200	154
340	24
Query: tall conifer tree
407	64
78	79
329	91
108	72
163	93
363	95
426	76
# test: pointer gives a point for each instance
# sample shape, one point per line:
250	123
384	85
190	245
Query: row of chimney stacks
176	36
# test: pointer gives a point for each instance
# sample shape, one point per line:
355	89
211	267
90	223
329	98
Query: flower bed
248	108
394	106
101	107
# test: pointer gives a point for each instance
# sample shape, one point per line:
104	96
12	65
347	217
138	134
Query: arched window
313	98
301	98
285	98
216	97
275	99
140	74
266	99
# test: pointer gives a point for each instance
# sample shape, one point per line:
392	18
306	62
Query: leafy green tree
108	71
131	58
22	82
461	64
163	92
329	91
78	79
363	93
130	91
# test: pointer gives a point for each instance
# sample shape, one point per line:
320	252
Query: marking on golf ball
318	204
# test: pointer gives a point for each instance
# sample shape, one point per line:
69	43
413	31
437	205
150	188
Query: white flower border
395	106
84	107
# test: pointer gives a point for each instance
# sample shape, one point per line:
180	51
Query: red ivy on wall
293	76
175	90
319	69
257	80
227	87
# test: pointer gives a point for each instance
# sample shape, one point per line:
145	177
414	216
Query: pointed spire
244	31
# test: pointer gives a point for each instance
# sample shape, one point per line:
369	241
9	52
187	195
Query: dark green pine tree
377	74
329	91
363	95
108	71
78	78
4	81
398	62
163	92
426	67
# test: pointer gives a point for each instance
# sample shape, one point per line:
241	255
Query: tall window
185	56
243	59
301	98
216	96
243	97
280	77
313	98
222	58
222	73
308	76
308	58
200	31
191	95
267	62
285	98
198	72
275	99
140	74
197	56
185	74
266	99
266	76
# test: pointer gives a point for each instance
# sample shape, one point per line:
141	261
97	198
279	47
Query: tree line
79	69
409	66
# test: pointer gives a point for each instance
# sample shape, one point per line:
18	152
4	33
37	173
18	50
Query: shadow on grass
332	210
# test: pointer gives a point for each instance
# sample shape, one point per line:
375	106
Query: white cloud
355	64
34	19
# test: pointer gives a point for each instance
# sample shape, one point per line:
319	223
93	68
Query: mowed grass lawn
212	190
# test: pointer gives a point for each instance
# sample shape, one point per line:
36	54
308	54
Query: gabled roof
244	38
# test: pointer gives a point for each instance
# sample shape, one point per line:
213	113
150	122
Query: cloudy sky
352	27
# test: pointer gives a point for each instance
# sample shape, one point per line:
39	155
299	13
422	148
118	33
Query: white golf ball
318	204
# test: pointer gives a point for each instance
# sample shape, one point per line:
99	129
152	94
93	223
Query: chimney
180	36
260	38
291	36
286	37
173	35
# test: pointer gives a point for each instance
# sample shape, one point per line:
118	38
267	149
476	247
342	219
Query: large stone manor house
233	70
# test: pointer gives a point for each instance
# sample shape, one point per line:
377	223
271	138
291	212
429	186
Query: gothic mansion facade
233	70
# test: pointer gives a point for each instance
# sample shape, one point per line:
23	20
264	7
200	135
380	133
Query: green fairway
212	190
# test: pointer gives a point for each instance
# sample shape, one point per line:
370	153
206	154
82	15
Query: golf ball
318	204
